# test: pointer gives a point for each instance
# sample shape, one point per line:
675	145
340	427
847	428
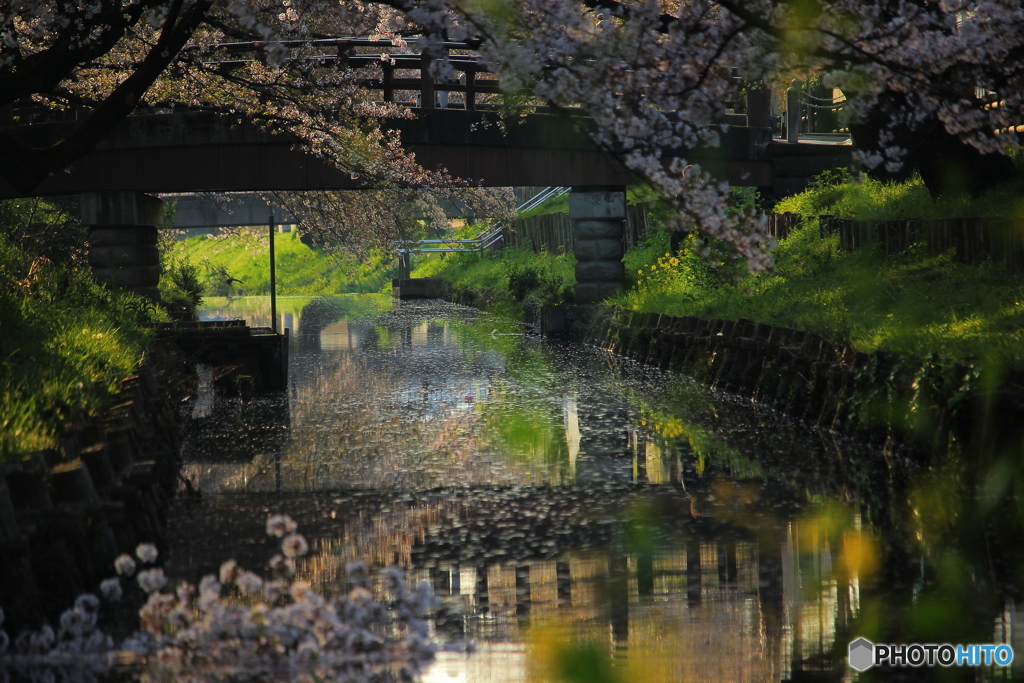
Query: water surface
572	509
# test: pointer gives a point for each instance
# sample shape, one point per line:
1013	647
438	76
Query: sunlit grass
866	199
511	278
908	304
65	345
299	269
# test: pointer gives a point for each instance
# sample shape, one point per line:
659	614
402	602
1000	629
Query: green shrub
44	228
181	286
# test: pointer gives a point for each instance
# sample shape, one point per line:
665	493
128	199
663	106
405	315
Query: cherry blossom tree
355	221
94	63
932	84
935	84
255	627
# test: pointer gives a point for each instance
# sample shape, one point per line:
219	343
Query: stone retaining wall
880	395
66	513
903	403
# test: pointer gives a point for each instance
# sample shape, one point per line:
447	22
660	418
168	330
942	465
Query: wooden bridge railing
340	53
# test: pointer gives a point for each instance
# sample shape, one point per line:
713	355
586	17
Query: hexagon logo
862	654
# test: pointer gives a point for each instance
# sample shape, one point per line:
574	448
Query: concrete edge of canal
918	407
904	405
68	512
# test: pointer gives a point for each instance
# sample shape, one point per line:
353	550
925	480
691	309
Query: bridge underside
194	151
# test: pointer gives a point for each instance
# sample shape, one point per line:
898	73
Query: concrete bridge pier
123	239
598	215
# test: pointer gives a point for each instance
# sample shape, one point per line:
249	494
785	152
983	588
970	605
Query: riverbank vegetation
65	341
862	198
511	279
238	264
909	304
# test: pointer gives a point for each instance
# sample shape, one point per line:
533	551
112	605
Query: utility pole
273	281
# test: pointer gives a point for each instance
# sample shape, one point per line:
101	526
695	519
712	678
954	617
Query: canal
579	516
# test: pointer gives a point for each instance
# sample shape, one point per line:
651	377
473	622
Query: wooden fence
973	239
553	232
781	224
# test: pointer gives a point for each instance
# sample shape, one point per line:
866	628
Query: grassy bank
65	341
239	265
863	199
909	304
510	279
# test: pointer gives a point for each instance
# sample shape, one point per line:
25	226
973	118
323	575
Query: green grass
511	279
911	305
299	269
558	204
65	344
836	193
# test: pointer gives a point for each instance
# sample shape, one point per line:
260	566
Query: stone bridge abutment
598	214
123	239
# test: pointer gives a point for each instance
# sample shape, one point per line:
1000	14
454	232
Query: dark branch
44	70
25	167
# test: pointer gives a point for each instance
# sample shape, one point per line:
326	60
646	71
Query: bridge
185	151
189	151
201	151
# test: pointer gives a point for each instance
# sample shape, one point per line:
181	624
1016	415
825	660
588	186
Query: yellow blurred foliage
860	556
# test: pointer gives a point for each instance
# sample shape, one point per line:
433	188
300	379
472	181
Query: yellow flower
674	261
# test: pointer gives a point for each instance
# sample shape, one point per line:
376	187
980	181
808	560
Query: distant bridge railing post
427	90
470	89
388	84
793	111
758	108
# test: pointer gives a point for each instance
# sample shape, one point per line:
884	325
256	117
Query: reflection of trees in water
709	601
390	429
351	426
727	590
941	551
